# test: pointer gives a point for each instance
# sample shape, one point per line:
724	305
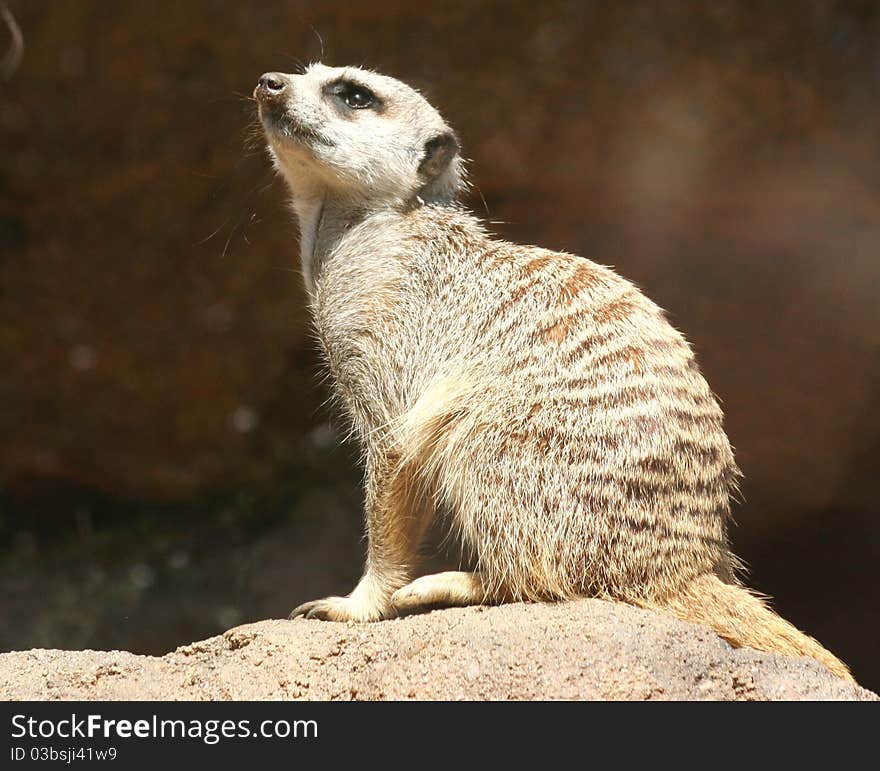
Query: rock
587	649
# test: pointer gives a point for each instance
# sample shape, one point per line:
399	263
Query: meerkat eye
353	95
358	98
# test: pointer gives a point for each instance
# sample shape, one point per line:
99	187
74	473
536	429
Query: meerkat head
357	134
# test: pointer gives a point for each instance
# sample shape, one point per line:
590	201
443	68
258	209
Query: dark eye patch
353	95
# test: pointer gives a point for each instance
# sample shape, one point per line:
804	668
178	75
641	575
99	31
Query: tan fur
743	619
537	400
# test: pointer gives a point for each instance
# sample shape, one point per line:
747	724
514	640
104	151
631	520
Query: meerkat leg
397	518
441	589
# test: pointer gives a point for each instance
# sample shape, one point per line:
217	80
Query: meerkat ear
440	168
439	151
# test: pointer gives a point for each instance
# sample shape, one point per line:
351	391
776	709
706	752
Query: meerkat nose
270	85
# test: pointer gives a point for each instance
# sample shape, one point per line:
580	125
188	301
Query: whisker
12	58
228	240
208	238
320	40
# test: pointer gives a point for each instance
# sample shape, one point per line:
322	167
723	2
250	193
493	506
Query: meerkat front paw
338	609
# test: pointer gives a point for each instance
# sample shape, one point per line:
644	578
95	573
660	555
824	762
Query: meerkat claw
304	610
326	609
336	609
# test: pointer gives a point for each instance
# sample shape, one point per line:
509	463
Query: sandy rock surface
581	650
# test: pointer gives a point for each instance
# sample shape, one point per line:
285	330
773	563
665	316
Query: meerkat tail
743	619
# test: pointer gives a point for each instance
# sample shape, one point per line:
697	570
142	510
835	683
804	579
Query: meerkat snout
269	85
272	93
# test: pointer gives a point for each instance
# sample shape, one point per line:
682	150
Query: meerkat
538	401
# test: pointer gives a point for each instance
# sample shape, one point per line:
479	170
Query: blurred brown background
167	468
